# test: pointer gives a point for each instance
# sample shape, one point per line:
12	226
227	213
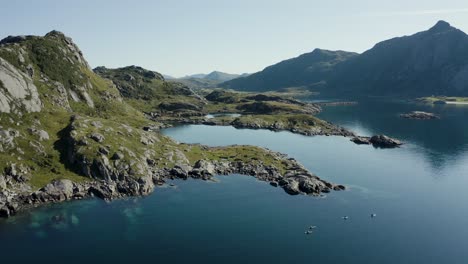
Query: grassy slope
46	56
146	94
146	90
51	64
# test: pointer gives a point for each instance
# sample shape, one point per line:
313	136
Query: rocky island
68	132
378	141
419	115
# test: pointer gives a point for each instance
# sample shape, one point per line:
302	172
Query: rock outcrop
121	183
17	91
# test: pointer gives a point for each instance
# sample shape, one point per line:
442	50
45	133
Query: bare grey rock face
84	94
61	99
7	137
2	183
17	90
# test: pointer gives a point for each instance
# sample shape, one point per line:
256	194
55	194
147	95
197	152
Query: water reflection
417	192
440	141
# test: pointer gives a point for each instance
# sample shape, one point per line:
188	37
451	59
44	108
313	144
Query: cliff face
18	90
44	81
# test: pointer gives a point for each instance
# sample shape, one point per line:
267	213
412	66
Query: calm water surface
418	193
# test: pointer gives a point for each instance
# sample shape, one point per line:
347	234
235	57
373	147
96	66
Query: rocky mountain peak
70	45
441	26
55	33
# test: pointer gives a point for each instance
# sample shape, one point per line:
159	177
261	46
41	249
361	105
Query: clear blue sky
185	37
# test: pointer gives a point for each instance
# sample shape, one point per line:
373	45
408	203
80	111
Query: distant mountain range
215	76
310	69
432	62
201	80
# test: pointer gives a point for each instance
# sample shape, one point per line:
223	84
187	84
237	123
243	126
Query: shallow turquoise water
417	191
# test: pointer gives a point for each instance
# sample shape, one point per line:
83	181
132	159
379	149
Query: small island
442	100
419	115
378	141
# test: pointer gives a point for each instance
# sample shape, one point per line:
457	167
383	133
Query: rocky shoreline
334	130
295	180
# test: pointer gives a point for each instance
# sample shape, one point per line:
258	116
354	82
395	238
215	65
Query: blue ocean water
417	191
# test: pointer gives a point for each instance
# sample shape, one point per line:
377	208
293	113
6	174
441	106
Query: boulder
41	134
206	167
339	187
59	190
103	150
118	156
308	186
181	171
97	137
292	188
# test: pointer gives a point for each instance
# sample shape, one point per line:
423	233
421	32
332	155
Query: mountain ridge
430	62
303	70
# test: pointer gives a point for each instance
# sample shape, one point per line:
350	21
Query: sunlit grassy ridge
72	95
